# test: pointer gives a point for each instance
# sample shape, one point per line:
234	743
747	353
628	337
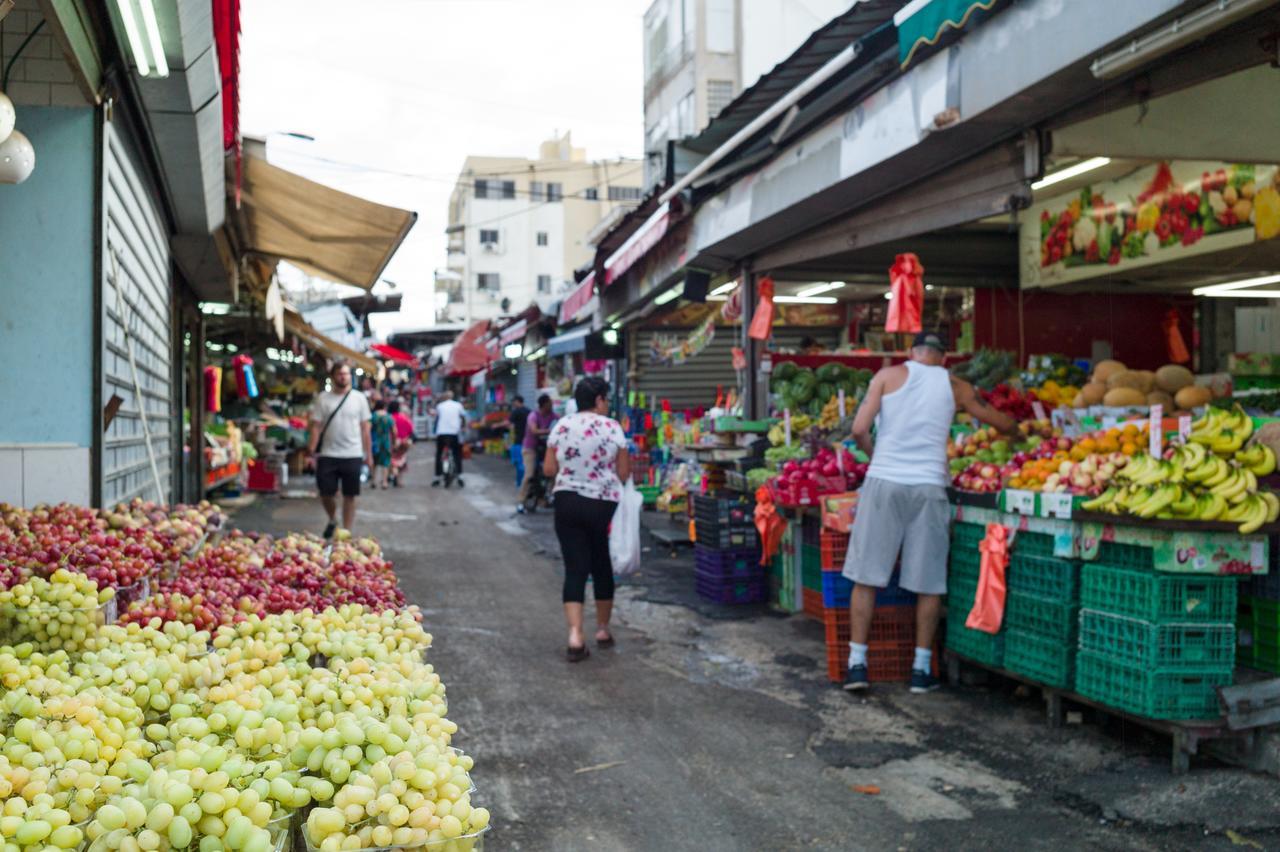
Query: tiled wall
41	76
51	473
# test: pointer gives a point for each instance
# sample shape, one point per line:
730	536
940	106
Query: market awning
921	23
576	302
638	244
327	233
513	332
300	328
391	353
469	353
569	342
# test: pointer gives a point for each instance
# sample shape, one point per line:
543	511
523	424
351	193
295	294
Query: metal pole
750	347
133	372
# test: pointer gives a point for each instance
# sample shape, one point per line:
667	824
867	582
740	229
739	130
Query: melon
1093	393
1127	379
1172	378
1078	401
1122	396
1193	396
1146	379
1103	370
1159	397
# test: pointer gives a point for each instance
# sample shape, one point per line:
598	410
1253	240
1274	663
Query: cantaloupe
1078	401
1103	370
1093	393
1127	379
1173	378
1124	396
1159	397
1146	379
1193	396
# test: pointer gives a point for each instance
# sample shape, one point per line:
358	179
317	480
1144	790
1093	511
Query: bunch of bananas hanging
778	431
830	416
1214	477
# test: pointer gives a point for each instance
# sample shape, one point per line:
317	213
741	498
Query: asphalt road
713	728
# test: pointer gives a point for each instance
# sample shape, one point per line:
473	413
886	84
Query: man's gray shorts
915	519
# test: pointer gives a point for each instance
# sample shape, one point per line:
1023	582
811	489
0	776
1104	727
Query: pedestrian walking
903	504
340	443
587	457
450	421
403	442
517	419
382	434
537	428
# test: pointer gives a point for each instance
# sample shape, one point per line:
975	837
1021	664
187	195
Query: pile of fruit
1055	368
778	432
1213	477
156	737
805	391
1115	385
1011	401
985	462
986	369
803	481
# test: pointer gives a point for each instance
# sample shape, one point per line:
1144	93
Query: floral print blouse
586	445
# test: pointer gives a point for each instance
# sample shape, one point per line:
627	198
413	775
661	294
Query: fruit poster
1156	214
674	350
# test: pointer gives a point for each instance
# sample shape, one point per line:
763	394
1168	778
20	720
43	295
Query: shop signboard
1158	213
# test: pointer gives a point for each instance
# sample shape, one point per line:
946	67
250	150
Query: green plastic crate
980	647
1151	693
1027	543
1043	659
1045	577
962	565
1264	616
1158	646
1044	618
1125	555
1264	656
1155	596
966	537
961	592
811	568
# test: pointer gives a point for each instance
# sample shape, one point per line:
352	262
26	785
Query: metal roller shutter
527	382
137	261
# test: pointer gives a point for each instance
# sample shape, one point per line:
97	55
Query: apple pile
824	473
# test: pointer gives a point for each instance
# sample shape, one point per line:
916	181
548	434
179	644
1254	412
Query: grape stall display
266	692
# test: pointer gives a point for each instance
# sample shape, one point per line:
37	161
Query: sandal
577	655
607	642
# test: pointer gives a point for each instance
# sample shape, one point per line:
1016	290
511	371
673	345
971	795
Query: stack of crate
1041	613
1152	643
811	566
1259	620
727	565
962	590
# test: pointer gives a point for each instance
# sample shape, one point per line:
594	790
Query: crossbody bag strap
324	429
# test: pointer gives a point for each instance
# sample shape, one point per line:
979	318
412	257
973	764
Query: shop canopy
576	303
469	353
571	341
391	353
922	23
300	328
322	231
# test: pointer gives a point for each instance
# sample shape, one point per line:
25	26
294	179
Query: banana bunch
830	416
778	432
1222	432
1194	484
1258	458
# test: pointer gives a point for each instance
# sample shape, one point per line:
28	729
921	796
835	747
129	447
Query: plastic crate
1264	656
717	590
723	512
966	537
1158	646
1266	586
1027	543
811	531
1155	596
1045	577
1125	555
888	624
728	564
836	589
833	546
649	493
1044	618
963	565
726	538
811	604
895	595
1044	659
961	592
1155	694
887	662
978	646
811	568
1264	617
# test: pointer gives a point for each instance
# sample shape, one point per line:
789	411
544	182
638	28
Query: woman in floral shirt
588	461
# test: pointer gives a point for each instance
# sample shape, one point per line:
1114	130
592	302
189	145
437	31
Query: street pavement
714	728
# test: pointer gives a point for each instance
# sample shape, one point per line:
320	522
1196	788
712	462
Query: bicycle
538	492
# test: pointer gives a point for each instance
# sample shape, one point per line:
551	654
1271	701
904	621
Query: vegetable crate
1157	597
811	568
1260	622
1044	577
1044	618
726	537
1027	543
1043	659
837	590
728	564
717	589
985	648
1154	693
1158	646
833	546
890	644
966	537
649	493
811	604
717	511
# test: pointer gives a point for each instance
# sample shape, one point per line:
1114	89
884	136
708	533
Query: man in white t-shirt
450	421
340	445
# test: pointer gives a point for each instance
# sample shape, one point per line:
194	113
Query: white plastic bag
624	533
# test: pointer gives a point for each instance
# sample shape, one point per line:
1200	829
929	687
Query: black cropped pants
582	526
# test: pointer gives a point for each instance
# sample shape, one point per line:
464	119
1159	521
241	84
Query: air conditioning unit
491	248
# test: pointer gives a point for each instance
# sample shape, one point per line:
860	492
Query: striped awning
921	23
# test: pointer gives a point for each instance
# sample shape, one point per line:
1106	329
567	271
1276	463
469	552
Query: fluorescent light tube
672	294
1071	171
805	300
724	288
134	36
1226	286
153	36
821	288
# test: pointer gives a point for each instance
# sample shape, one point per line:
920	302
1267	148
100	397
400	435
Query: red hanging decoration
762	319
906	308
1177	346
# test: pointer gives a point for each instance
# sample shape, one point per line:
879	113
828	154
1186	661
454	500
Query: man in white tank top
903	504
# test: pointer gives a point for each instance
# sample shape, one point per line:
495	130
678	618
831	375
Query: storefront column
750	347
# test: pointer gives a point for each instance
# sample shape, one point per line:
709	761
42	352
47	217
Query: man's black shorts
330	470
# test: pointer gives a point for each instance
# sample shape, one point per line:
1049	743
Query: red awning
469	354
638	244
391	353
578	300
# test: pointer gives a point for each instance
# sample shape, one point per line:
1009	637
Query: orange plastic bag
762	319
988	607
769	524
906	280
1174	341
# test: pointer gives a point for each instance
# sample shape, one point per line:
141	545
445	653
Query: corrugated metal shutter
694	382
138	239
527	382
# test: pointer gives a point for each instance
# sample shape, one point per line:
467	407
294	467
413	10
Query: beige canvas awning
296	325
325	232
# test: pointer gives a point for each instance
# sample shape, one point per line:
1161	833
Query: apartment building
519	227
701	54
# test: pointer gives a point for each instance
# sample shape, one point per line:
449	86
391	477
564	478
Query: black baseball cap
932	339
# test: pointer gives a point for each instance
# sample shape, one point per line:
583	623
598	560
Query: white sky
414	86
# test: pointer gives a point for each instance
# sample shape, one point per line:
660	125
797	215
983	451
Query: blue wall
46	283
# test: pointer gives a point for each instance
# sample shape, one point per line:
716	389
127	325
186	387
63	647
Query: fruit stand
258	694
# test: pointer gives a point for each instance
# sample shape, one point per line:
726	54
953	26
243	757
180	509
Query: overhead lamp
142	31
671	295
820	288
217	309
1240	289
17	158
512	351
1071	171
153	37
723	289
8	116
610	336
536	355
1183	31
804	300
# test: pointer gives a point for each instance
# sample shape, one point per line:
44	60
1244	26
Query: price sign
840	397
1184	427
1020	501
1055	504
1038	410
786	424
1156	431
839	448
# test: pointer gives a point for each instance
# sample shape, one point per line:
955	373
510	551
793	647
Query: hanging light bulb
8	115
17	158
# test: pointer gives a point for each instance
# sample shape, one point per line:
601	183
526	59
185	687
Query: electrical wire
4	81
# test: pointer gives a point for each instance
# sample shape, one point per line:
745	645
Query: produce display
985	462
805	391
803	481
986	369
1114	384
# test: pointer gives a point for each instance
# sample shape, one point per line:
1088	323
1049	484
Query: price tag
1156	431
766	363
1184	427
1109	420
839	448
1020	501
840	397
1064	544
1038	410
1056	504
786	424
